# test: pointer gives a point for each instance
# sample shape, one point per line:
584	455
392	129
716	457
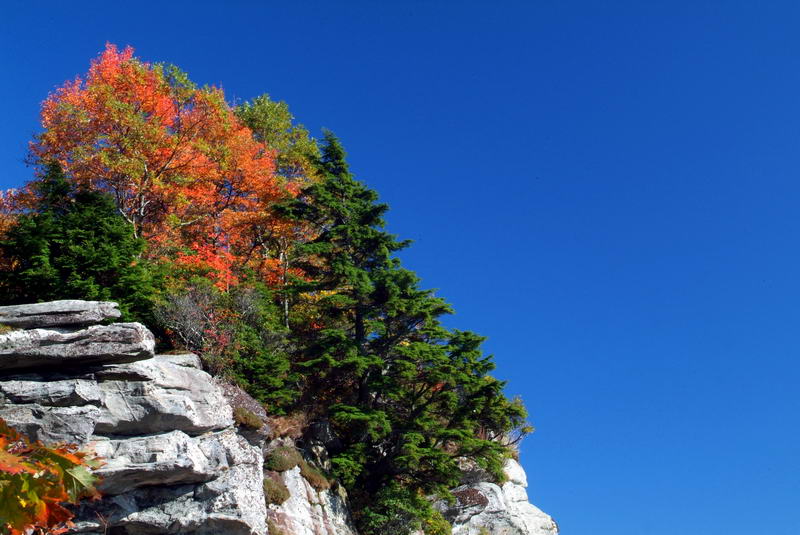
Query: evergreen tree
75	245
407	397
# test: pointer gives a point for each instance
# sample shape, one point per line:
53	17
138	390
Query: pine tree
75	245
407	396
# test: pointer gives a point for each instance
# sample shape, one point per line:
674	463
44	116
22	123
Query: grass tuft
286	457
247	418
275	490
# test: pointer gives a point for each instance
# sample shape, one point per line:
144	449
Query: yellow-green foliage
36	482
247	418
5	329
275	490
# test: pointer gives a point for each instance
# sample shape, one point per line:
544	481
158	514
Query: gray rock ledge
36	348
58	313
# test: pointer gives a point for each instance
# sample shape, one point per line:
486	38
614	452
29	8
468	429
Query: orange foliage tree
184	170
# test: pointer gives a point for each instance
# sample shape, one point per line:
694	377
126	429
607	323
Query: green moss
275	490
282	459
4	329
247	418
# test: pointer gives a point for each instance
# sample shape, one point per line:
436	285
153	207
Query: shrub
247	418
275	490
282	459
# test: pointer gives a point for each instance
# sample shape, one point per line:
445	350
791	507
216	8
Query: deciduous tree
182	168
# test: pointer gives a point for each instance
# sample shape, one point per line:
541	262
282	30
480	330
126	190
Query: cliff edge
174	459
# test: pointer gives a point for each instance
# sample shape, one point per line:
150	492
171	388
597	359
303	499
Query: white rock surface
165	459
231	504
311	512
55	393
500	510
52	424
157	395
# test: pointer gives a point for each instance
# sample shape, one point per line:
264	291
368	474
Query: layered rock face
174	461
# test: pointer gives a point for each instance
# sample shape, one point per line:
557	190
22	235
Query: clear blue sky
608	190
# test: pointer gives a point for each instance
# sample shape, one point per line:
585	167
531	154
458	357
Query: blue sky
607	190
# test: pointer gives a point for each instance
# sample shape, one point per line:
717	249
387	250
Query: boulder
156	396
231	503
52	425
58	313
44	349
53	393
172	458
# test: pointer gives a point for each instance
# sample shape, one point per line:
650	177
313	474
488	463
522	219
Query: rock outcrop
174	460
483	506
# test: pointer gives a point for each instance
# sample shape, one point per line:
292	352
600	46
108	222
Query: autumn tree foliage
273	262
183	169
36	481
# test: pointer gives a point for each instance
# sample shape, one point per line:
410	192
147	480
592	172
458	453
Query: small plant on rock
273	529
314	476
282	459
285	458
275	490
247	418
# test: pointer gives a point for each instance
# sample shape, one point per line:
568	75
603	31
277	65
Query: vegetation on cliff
235	234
